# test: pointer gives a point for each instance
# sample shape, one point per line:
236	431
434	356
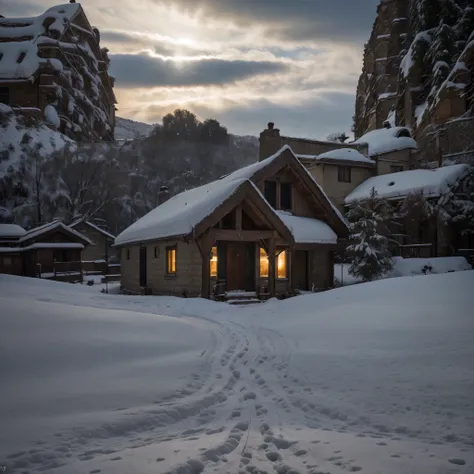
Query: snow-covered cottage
35	252
422	231
53	66
266	229
102	241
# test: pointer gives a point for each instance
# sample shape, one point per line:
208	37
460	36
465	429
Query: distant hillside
44	174
126	129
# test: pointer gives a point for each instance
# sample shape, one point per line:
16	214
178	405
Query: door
143	267
300	270
240	271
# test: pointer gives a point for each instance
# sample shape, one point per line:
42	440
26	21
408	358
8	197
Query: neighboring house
102	241
340	167
339	171
391	148
11	261
266	229
30	252
419	237
53	66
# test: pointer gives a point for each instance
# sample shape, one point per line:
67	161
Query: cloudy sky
244	62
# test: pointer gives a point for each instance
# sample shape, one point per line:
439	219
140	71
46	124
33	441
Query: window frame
341	174
289	186
156	252
273	183
169	250
396	168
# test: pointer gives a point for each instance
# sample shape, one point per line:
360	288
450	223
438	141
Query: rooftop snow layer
342	154
33	27
432	183
385	140
11	230
93	226
181	213
37	231
307	230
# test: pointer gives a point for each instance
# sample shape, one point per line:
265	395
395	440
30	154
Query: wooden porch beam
238	217
242	235
205	245
271	266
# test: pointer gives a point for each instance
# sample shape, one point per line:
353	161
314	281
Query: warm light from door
281	265
213	262
263	263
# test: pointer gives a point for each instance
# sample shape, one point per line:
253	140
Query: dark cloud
142	70
293	20
314	119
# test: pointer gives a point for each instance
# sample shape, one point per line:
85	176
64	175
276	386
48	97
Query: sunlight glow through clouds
246	62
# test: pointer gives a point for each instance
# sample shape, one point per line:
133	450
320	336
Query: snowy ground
406	267
376	378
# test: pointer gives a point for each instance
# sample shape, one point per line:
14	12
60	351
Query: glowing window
213	262
263	263
281	265
171	260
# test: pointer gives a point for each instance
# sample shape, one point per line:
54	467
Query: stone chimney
163	195
269	141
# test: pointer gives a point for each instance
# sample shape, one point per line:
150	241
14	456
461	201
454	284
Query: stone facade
398	82
71	73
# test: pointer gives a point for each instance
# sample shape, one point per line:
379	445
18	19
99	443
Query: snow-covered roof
180	214
385	140
11	230
432	183
43	245
37	231
341	154
306	230
90	224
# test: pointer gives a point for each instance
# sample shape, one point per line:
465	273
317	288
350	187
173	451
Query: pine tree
458	206
369	248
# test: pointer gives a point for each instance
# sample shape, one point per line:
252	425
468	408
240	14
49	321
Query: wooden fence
77	272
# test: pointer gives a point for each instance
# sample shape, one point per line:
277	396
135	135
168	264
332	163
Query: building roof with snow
340	155
386	140
181	214
11	231
306	230
40	231
94	227
431	183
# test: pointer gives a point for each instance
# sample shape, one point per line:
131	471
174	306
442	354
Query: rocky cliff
418	71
